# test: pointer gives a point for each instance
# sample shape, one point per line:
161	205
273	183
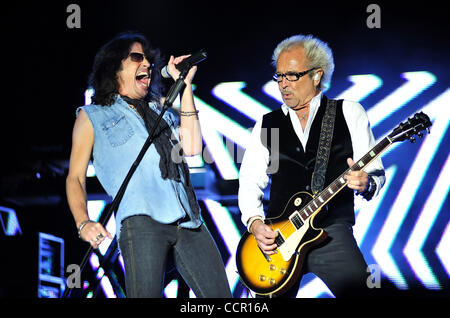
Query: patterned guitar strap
323	151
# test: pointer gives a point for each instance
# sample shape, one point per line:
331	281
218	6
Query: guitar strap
323	151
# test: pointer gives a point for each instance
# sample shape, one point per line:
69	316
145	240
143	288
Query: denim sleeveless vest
119	136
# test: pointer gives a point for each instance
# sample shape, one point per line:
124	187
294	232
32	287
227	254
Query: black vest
296	166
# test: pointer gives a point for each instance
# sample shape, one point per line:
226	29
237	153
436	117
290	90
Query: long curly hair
108	61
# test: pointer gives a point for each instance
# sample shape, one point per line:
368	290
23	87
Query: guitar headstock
412	126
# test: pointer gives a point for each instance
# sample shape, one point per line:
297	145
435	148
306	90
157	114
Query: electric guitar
272	275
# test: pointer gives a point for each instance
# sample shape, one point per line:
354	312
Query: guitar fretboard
338	184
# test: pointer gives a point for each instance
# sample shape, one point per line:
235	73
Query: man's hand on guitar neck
265	236
356	180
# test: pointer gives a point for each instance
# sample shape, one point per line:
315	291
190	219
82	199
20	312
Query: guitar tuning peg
420	134
412	140
428	129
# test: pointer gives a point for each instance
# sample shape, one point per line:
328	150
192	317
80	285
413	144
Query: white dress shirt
253	178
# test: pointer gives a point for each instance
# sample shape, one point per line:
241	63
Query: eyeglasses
139	57
290	76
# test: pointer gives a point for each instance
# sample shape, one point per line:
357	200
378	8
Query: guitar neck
337	185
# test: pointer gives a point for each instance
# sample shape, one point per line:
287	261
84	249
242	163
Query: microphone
187	63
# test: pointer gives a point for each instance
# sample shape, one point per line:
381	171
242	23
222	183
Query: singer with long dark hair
158	215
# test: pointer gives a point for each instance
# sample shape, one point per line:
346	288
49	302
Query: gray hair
317	52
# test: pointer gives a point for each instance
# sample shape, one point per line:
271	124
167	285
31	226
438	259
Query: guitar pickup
296	219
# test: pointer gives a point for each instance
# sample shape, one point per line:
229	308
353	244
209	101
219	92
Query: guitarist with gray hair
304	146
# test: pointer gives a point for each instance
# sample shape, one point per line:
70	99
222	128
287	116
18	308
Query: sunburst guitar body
273	274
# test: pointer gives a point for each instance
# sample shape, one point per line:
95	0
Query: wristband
370	190
81	226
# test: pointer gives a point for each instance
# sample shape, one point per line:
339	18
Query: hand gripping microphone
187	63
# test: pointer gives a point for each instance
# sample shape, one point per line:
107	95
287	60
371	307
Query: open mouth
143	79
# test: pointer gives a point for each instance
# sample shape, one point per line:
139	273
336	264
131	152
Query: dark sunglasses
138	57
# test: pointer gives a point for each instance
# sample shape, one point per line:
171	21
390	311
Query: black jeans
339	263
145	246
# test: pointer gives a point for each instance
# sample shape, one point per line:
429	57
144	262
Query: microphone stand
176	88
